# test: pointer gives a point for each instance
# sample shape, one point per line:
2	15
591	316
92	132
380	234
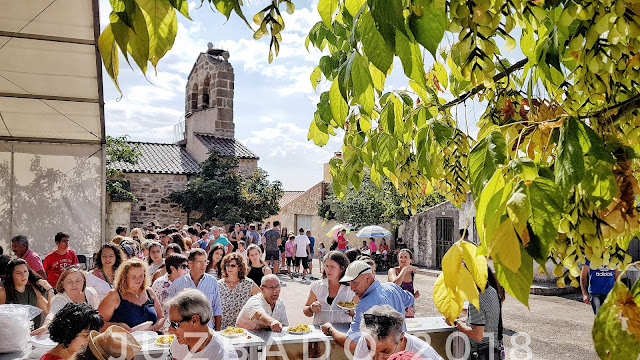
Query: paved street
559	327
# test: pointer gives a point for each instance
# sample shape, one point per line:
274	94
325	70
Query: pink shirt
33	260
288	248
372	247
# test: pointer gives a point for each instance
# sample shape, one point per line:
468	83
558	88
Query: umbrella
373	231
336	229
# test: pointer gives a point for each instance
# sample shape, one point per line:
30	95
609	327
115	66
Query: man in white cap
371	292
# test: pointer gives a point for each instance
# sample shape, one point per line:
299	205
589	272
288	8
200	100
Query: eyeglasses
230	265
184	266
271	287
176	324
135	237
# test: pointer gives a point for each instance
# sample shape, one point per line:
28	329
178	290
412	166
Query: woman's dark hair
340	258
174	247
71	320
284	232
174	260
352	254
493	282
407	251
217	266
116	250
177	239
150	236
9	285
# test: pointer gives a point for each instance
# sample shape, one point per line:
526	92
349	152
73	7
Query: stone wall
419	232
118	214
246	167
152	192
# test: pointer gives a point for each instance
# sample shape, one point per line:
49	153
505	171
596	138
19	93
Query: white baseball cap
356	269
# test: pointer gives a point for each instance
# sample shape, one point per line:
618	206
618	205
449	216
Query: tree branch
625	107
462	98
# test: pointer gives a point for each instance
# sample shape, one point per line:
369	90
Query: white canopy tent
52	136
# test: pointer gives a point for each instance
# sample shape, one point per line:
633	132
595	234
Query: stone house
165	168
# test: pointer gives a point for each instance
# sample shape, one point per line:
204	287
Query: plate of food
233	331
347	305
165	340
145	337
299	329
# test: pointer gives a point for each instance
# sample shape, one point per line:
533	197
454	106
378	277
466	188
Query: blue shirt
312	242
601	280
379	294
204	243
207	284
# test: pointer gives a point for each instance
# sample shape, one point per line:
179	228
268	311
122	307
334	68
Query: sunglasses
184	266
230	265
176	324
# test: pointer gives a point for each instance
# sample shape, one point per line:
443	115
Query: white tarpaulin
51	123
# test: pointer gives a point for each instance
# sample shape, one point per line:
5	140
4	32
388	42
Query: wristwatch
455	322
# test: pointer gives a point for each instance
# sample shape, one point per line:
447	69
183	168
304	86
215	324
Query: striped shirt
207	284
488	316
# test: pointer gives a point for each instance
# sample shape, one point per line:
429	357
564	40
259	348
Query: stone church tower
209	110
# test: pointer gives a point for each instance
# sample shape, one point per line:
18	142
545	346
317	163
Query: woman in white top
322	303
71	287
107	261
155	257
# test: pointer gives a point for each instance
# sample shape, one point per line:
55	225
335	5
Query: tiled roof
226	146
288	197
156	158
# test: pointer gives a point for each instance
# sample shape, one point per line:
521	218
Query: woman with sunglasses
177	265
71	287
137	234
383	335
235	288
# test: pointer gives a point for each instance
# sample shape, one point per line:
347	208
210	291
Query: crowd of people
193	279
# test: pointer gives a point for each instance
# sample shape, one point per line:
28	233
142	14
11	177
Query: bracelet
455	322
329	331
310	310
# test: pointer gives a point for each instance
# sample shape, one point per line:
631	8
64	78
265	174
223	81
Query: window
205	93
194	97
303	221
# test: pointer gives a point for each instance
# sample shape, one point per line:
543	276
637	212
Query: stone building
165	168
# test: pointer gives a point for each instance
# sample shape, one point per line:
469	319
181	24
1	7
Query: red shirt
33	260
48	356
342	243
55	263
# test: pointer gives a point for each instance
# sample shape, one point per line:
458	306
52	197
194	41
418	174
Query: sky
273	105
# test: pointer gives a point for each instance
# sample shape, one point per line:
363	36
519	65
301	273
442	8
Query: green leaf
517	283
569	164
326	8
496	185
616	329
362	83
409	53
339	107
315	77
519	207
377	76
592	144
429	28
162	26
387	118
441	74
546	210
134	42
319	137
353	6
109	52
524	167
600	182
484	159
373	44
182	6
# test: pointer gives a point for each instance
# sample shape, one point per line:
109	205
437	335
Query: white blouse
331	313
101	287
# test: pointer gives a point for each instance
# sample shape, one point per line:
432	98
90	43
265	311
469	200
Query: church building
164	168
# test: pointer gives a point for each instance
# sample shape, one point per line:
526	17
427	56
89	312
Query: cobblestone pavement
556	327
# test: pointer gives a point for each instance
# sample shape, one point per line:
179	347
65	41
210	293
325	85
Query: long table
267	345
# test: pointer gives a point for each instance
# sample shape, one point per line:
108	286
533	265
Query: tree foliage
119	151
553	166
370	204
220	193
